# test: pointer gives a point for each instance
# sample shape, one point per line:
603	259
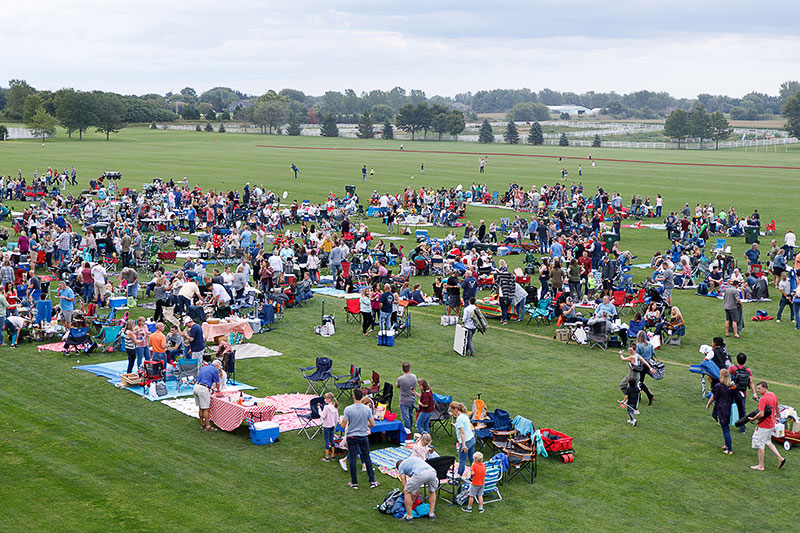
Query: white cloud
441	47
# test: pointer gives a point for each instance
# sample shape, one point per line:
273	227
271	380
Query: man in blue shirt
207	378
67	297
469	286
607	307
414	473
335	260
194	333
387	306
556	250
191	214
753	254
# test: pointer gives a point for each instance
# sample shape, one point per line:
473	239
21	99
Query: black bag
656	369
741	378
161	388
387	504
702	288
197	313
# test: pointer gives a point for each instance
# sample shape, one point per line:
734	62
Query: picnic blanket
112	371
252	351
386	459
329	291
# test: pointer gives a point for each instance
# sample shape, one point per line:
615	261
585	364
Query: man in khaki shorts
414	473
207	378
762	434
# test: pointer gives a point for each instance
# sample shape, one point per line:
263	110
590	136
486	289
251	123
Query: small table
228	415
392	428
212	331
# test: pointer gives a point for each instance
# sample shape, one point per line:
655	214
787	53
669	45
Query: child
631	400
329	417
422	446
476	484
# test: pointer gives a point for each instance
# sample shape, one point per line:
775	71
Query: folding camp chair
437	266
386	396
597	335
502	432
403	325
308	415
521	460
441	414
494	475
444	473
187	372
109	320
353	381
353	310
318	376
110	336
374	385
151	371
77	337
541	312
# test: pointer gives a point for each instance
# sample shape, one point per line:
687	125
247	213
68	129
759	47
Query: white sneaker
636	411
778	320
633	423
343	463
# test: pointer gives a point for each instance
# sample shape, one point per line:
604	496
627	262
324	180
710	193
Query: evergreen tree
388	131
535	135
511	135
294	128
365	130
209	128
563	141
486	134
597	142
198	128
328	126
677	126
221	128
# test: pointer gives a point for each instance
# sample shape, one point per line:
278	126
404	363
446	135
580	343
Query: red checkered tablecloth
229	415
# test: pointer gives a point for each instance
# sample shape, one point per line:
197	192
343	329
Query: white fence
709	145
22	133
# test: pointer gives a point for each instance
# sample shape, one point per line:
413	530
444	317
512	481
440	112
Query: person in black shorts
453	295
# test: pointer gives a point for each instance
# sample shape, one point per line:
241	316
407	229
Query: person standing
295	170
158	344
465	437
453	295
194	334
425	406
364	174
207	380
722	397
742	377
762	436
365	307
67	300
785	286
504	283
406	384
470	326
356	421
731	304
469	286
335	259
386	308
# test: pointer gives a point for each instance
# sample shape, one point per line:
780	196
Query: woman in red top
424	406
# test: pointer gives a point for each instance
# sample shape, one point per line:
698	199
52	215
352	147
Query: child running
631	400
329	417
476	483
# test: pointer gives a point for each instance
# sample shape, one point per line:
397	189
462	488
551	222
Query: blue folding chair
318	376
308	415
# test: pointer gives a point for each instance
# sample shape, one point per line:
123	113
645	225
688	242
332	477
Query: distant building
571	110
244	104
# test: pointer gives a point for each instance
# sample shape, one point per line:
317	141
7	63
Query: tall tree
789	89
677	126
511	136
563	141
700	124
597	142
365	130
791	112
109	113
408	120
439	123
74	110
328	126
18	90
42	123
388	131
32	104
486	135
535	136
455	123
270	114
381	113
720	128
294	128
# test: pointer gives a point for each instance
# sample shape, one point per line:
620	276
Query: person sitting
714	279
571	314
606	307
675	321
417	297
636	325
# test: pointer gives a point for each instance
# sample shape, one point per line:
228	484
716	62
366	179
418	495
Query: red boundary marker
525	155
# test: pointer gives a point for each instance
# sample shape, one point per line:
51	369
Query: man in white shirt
188	291
219	295
790	239
99	278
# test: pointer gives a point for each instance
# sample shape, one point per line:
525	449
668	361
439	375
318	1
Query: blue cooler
118	301
265	432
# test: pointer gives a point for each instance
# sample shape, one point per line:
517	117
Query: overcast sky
442	47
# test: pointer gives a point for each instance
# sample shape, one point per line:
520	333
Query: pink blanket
284	402
52	347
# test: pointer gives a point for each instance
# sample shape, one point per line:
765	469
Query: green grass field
80	455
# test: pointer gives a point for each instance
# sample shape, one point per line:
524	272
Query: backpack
387	504
480	321
741	378
702	288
